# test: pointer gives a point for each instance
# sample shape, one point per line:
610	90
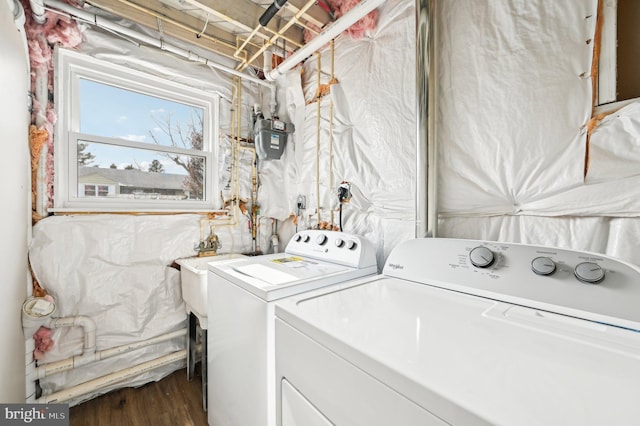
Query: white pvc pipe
87	324
105	23
358	12
46	370
110	379
37	11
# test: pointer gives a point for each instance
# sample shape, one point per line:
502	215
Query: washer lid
505	363
274	276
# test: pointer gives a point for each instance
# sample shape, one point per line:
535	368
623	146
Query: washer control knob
351	245
339	242
306	238
543	266
297	238
481	257
321	239
589	272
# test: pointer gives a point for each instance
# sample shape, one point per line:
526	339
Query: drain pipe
106	24
358	12
49	369
113	378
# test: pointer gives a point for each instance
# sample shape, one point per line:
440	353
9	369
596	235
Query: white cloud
135	138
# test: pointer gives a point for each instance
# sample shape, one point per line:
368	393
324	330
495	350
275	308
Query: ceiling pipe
271	12
332	31
278	35
109	25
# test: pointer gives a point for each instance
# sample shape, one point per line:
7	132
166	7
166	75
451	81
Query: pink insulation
41	39
43	342
357	30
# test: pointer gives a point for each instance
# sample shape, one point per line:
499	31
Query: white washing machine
241	298
466	332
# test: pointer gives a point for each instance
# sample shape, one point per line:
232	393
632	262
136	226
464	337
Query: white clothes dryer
465	332
241	298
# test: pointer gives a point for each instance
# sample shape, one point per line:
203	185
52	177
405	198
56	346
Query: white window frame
73	66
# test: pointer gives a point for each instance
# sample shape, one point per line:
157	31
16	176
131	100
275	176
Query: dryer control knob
306	238
321	239
351	245
297	238
589	272
481	257
339	242
543	265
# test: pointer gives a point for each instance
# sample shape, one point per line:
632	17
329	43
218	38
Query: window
618	66
131	141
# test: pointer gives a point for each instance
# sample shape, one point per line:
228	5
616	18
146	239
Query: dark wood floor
172	401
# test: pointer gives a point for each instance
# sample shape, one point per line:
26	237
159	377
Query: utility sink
193	277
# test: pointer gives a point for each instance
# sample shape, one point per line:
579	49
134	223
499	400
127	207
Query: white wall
14	193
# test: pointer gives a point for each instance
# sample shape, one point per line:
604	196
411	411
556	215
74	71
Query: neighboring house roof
135	178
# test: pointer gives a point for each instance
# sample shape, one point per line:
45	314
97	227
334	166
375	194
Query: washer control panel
581	284
332	246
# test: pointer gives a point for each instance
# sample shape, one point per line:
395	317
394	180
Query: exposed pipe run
105	23
279	34
351	17
109	379
85	358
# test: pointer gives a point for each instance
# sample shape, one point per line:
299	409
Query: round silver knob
481	257
351	245
543	266
306	238
339	242
321	239
589	272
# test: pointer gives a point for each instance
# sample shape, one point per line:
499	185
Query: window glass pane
138	173
119	113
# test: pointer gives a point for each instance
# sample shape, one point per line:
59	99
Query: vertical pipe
318	100
426	212
331	81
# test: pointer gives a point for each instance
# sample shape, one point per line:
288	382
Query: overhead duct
332	31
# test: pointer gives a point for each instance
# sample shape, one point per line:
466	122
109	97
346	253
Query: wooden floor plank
172	401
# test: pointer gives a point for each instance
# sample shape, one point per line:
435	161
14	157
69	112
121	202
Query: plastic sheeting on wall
514	100
373	130
115	270
614	147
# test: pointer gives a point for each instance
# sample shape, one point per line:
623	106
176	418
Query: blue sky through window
118	113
